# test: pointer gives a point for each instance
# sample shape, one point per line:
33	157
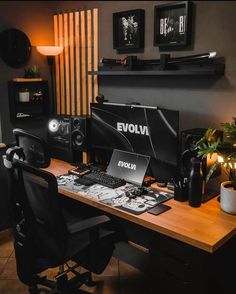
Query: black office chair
35	149
46	236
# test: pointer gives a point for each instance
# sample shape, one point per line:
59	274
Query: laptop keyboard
104	179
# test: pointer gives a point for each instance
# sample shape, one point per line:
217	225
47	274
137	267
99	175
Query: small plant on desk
226	153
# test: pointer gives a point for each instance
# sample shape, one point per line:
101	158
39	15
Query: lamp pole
51	52
51	63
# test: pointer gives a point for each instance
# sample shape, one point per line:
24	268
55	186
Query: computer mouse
141	205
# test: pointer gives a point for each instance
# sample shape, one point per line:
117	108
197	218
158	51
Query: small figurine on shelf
32	72
37	96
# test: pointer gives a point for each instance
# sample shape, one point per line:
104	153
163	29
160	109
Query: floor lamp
51	52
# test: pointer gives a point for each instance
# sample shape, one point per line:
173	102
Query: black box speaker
188	142
67	137
189	138
80	133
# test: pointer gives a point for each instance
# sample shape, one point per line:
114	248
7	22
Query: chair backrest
35	149
38	198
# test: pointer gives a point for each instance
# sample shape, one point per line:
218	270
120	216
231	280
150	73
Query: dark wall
35	19
203	101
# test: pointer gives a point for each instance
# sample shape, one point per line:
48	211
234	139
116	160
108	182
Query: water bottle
195	183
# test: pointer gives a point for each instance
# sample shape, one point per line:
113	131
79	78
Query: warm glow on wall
50	50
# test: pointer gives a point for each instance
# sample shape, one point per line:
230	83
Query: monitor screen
135	128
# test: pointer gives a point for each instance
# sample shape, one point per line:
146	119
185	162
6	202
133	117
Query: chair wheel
88	281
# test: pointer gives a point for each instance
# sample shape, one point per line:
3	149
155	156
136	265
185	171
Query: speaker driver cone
77	138
76	123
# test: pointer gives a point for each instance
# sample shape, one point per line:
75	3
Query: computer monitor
141	129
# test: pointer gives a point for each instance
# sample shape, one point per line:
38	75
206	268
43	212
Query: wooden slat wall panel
95	52
72	62
83	63
57	65
62	74
67	72
77	64
89	57
78	33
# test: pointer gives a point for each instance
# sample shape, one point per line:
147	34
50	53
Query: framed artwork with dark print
128	31
172	25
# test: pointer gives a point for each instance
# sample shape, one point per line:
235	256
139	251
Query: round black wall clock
15	47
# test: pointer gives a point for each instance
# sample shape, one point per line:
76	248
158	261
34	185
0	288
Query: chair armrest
87	224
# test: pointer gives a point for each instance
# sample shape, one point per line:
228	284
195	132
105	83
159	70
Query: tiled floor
118	278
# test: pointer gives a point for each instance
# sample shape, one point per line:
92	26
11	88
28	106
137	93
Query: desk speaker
80	133
68	136
189	139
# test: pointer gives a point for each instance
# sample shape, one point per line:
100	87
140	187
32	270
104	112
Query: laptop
128	166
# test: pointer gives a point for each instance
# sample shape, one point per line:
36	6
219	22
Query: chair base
64	286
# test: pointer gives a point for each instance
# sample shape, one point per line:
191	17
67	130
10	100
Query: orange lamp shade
50	50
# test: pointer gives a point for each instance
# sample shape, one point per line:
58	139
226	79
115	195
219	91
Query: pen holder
181	192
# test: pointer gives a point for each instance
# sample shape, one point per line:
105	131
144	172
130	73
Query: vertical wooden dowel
67	71
95	51
57	65
72	62
78	33
77	63
62	75
89	58
83	63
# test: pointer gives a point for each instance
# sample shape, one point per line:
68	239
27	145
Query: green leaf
212	170
230	130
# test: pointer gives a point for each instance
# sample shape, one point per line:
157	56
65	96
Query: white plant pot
228	198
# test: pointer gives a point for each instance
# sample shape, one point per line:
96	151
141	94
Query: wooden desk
206	227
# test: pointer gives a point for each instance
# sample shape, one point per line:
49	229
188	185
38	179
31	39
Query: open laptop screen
128	166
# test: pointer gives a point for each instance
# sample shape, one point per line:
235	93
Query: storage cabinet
176	267
28	99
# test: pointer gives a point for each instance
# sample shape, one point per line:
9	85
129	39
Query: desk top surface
206	227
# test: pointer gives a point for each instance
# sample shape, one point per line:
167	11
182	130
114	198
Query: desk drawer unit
177	267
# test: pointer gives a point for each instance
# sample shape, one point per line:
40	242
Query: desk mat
115	197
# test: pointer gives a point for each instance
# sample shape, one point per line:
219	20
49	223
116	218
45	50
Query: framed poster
172	25
128	30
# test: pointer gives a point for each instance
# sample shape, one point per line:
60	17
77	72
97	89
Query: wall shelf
214	69
38	103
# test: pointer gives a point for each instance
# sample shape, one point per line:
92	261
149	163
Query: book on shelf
27	79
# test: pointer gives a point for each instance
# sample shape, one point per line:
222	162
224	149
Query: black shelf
31	109
215	69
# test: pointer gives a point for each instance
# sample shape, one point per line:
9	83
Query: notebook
128	166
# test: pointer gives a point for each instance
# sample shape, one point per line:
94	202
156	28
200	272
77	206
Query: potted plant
32	72
226	152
